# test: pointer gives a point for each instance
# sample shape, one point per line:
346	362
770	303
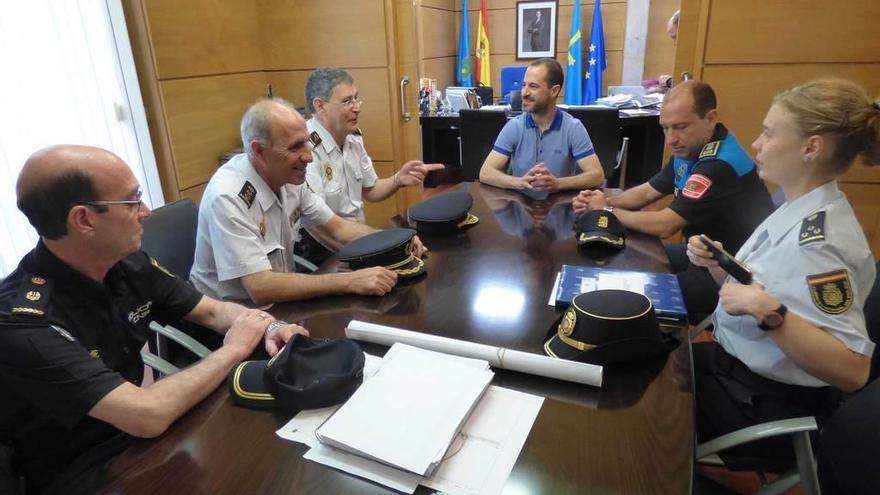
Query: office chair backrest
511	79
479	129
603	125
170	236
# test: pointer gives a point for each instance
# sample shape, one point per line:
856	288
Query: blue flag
595	58
573	80
464	69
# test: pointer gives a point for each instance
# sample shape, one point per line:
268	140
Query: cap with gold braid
447	212
391	248
609	326
600	227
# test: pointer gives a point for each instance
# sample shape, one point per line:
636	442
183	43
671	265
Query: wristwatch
773	319
273	325
609	208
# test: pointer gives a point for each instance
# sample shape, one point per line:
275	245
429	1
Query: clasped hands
588	200
539	179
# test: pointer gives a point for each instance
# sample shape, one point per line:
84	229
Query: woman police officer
786	344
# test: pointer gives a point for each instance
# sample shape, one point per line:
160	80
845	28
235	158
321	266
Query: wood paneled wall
660	49
749	50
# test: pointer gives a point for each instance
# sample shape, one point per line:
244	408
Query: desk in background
488	284
441	144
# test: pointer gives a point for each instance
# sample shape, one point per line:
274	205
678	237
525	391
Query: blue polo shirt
559	147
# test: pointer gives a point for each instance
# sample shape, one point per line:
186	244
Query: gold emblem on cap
38	281
603	222
263	228
33	296
95	353
328	171
566	327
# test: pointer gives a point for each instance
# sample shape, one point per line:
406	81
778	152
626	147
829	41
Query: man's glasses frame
106	202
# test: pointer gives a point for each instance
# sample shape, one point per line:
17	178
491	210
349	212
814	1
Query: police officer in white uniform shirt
245	242
341	171
788	343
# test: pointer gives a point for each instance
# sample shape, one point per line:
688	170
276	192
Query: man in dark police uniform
75	314
715	186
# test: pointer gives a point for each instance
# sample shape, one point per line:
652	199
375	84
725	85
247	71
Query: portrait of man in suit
536	27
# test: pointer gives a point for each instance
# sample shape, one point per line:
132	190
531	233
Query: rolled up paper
498	357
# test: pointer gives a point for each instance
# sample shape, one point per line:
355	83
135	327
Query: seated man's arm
664	223
591	175
412	173
267	287
339	231
492	173
637	197
149	411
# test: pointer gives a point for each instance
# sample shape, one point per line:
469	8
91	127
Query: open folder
408	414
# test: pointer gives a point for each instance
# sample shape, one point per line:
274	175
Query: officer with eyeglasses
75	314
341	170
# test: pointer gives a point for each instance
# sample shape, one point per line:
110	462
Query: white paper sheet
498	357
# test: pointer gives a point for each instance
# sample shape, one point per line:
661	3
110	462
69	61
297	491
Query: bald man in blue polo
545	149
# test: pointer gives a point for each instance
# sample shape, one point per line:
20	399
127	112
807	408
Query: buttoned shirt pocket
333	194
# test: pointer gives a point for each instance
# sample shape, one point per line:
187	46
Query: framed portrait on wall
535	29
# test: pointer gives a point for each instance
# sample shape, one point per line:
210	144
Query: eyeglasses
104	202
349	102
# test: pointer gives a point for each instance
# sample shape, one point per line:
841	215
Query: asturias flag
595	58
464	76
573	81
483	68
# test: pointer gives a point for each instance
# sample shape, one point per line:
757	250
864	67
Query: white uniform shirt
339	176
785	262
245	228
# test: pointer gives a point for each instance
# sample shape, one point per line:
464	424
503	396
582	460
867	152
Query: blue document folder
661	288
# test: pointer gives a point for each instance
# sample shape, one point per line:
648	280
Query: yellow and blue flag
464	70
573	80
595	58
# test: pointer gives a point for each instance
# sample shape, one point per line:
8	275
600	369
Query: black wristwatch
773	319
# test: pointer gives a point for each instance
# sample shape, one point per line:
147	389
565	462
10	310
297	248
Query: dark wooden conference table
488	284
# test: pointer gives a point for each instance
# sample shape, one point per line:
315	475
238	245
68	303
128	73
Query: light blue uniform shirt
788	254
559	147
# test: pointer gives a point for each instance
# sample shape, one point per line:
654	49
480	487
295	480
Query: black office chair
479	129
603	125
170	236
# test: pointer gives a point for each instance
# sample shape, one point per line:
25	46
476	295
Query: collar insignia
315	138
248	193
812	229
711	149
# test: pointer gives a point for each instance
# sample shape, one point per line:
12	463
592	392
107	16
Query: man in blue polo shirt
544	150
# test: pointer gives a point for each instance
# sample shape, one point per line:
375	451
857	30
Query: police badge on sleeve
831	292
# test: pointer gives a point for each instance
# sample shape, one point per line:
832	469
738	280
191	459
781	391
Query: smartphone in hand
730	264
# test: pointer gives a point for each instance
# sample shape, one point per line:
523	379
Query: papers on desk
478	460
495	108
631	101
407	415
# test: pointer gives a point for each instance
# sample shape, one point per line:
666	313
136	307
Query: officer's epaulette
812	229
359	132
711	149
248	193
33	296
315	138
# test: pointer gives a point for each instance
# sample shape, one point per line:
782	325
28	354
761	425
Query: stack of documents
408	414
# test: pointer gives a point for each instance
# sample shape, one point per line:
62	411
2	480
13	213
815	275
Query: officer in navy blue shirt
715	186
544	150
75	314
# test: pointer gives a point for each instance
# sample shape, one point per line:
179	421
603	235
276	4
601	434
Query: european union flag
573	81
464	76
595	58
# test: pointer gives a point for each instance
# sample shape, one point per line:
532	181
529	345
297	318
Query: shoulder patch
315	138
696	186
155	262
831	292
248	193
711	149
33	296
812	229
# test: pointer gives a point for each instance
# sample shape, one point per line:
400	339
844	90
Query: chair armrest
181	338
158	364
700	327
620	166
308	265
757	432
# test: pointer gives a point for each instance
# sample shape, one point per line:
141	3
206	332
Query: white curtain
64	80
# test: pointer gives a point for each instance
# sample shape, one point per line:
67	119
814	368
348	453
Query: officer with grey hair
247	216
342	171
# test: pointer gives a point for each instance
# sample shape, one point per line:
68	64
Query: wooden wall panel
375	115
379	213
306	35
758	31
746	91
443	70
659	49
203	116
863	198
201	37
451	5
194	193
438	37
